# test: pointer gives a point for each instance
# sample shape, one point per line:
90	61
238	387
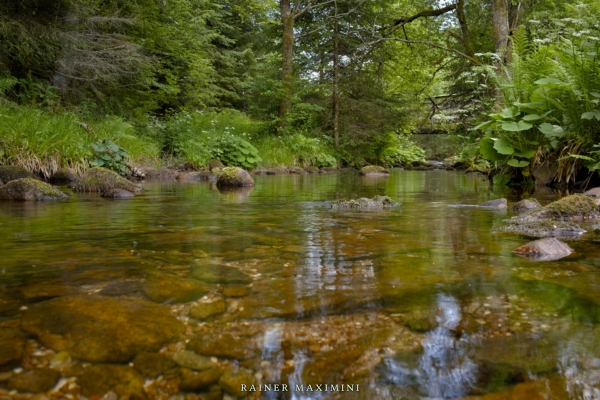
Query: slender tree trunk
336	93
500	28
462	19
285	104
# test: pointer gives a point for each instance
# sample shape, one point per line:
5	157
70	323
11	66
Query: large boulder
544	249
100	179
497	203
374	170
545	228
374	203
576	207
11	173
234	176
166	287
526	205
101	329
64	175
28	189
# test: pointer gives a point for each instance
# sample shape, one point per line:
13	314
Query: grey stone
117	194
497	203
544	249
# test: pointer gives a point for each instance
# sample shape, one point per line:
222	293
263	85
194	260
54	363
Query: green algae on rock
101	329
575	207
37	380
100	179
151	365
28	189
11	173
234	177
220	274
526	205
122	380
64	175
205	310
374	203
12	345
233	378
194	380
545	228
225	345
166	287
191	360
374	170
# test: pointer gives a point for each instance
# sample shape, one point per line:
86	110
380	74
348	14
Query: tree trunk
500	28
462	19
285	103
336	94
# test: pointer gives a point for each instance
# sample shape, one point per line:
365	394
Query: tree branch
423	14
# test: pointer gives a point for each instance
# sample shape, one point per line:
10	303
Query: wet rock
122	288
101	329
225	345
212	164
374	170
11	173
595	193
328	170
34	381
170	288
100	179
234	176
546	228
12	345
63	175
151	365
117	194
235	291
497	203
545	173
311	170
374	203
575	207
161	173
526	205
193	380
28	189
206	310
271	171
60	360
232	379
220	274
122	380
296	170
544	249
41	291
191	360
199	176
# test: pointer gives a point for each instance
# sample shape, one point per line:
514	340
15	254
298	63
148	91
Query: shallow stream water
274	287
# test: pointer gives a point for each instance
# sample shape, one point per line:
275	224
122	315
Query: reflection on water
425	300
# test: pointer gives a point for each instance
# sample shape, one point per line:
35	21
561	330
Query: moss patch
64	175
10	173
28	189
374	169
546	228
101	179
234	176
574	207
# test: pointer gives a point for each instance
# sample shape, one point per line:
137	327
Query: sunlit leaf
513	162
550	130
502	146
516	126
486	148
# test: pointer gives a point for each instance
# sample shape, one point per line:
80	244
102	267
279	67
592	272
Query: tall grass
42	142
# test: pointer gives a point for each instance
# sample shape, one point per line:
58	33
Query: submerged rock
118	194
163	288
544	250
220	274
545	228
234	176
375	202
225	345
575	207
199	176
374	170
35	381
151	365
193	380
101	329
64	175
28	189
526	205
11	173
232	380
191	360
123	381
100	179
206	310
12	345
497	203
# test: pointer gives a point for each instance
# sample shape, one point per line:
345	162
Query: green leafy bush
296	150
397	150
109	155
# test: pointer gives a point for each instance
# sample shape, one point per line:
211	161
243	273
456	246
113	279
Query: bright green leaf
550	130
502	146
513	162
486	124
525	153
509	113
486	148
501	179
516	126
550	82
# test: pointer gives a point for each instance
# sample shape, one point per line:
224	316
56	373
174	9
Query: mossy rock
575	207
34	381
11	173
152	365
100	179
117	194
546	228
311	170
374	170
165	287
12	346
212	164
234	177
374	203
193	380
526	205
64	175
28	189
122	380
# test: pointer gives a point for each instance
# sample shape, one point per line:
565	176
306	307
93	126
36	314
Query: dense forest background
515	84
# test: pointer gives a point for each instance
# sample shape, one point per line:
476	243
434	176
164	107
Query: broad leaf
485	124
550	82
501	179
503	147
486	148
591	115
532	106
525	153
516	126
550	130
509	113
513	162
